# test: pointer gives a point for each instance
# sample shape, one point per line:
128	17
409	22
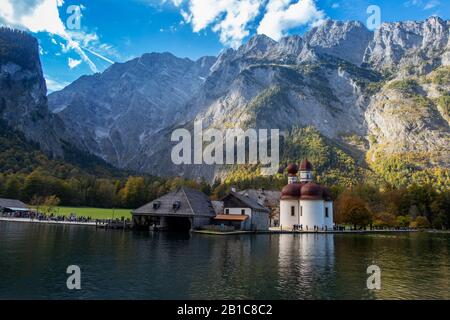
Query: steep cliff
367	93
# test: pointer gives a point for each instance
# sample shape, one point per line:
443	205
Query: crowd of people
38	216
299	227
44	217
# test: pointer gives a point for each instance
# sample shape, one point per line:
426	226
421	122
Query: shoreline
306	232
206	232
28	220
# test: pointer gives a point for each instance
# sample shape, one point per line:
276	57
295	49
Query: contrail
99	55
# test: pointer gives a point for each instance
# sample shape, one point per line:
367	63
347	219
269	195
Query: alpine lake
161	265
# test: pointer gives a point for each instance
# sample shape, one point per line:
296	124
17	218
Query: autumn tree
134	194
403	221
49	204
420	222
352	210
440	208
385	220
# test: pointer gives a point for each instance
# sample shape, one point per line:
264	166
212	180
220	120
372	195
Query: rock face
113	113
23	100
340	78
418	46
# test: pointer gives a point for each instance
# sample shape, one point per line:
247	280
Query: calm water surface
129	265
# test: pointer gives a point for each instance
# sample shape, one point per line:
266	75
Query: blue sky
119	30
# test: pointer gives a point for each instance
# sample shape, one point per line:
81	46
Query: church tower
292	170
306	171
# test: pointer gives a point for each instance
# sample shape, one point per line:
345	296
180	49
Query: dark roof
218	206
305	165
248	201
311	191
268	197
291	191
12	203
192	203
292	169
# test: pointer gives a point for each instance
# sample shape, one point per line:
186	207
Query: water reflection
306	265
129	265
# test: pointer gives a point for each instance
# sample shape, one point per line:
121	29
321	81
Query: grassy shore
94	213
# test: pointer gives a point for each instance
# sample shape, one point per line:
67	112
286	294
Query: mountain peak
20	48
258	43
347	40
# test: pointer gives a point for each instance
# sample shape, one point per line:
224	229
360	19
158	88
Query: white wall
329	221
305	176
286	220
237	211
313	214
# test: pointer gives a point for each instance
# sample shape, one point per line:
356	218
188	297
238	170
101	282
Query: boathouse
13	205
243	213
183	209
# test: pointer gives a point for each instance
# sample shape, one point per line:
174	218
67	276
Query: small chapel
305	205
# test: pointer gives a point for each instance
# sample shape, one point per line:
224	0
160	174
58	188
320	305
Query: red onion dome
326	194
291	191
292	169
305	165
311	191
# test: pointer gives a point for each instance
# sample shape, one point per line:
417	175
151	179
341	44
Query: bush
351	209
385	220
403	221
407	86
420	223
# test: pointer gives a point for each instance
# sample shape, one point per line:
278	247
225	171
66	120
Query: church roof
304	190
305	165
292	169
291	191
311	191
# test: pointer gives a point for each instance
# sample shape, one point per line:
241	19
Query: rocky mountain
368	94
23	93
31	136
111	114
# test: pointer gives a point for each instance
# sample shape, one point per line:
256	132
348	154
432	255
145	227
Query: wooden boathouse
183	209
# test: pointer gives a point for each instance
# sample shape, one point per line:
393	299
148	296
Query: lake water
130	265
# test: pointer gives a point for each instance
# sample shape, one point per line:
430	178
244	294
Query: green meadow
94	213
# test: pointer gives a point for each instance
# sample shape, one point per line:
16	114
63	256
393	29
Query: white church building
305	205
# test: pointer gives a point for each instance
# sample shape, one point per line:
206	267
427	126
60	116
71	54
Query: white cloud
43	16
176	3
34	15
411	3
282	15
232	19
426	5
229	18
431	4
73	63
335	5
54	85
